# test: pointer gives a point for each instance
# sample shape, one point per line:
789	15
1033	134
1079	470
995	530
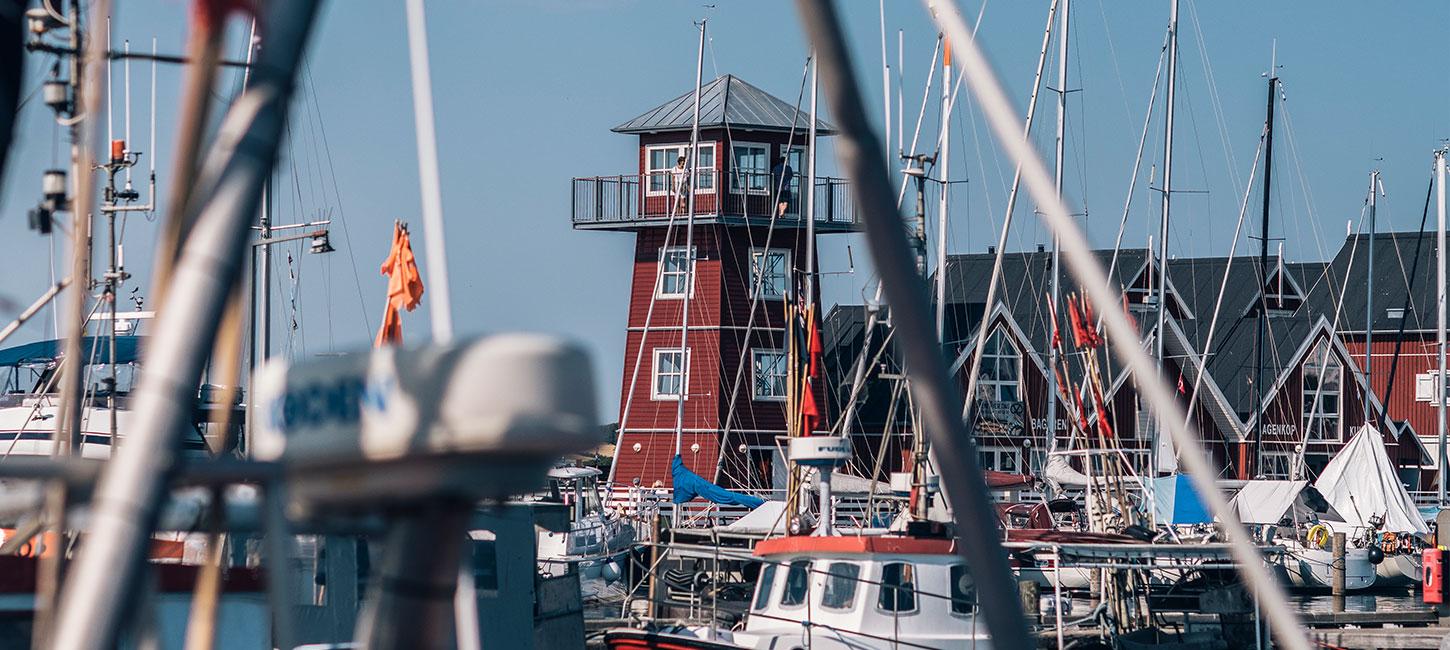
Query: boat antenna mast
1273	74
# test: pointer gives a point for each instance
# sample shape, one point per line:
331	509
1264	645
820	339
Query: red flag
1056	331
1181	390
1103	427
1079	333
1090	328
810	413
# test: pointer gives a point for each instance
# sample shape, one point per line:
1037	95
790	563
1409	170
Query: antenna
126	75
110	88
152	150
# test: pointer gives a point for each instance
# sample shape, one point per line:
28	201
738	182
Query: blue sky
526	93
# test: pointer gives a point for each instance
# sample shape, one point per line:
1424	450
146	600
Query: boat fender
1376	555
610	572
1318	535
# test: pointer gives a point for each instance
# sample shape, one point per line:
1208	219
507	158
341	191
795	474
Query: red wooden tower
736	247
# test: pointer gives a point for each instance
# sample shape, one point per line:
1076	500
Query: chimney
1041	248
991	250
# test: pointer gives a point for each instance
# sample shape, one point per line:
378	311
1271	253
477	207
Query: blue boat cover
689	485
1175	502
97	350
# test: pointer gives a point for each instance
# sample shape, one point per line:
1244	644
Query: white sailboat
1360	483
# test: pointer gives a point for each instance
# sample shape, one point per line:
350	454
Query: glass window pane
762	595
797	580
841	581
964	590
898	588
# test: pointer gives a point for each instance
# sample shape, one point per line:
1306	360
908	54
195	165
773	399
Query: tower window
770	374
673	272
751	168
770	269
659	167
669	374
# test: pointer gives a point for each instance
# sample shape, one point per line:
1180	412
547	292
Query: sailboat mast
943	163
1060	161
1167	203
1263	278
1374	184
689	256
1440	320
810	194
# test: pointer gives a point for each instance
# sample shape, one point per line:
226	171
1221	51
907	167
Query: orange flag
405	286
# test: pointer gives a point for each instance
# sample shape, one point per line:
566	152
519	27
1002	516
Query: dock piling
1336	569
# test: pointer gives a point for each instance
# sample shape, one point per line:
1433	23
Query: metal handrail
635	197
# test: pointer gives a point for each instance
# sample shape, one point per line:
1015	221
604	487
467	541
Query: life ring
1318	535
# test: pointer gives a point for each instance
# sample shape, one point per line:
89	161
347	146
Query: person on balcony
781	176
680	185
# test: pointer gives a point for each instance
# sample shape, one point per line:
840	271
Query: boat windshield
898	588
840	585
964	590
797	582
762	595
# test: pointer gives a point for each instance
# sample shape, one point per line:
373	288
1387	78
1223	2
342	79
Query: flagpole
441	313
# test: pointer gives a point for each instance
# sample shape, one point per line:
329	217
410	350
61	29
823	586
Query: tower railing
744	197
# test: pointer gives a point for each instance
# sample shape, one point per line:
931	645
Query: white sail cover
1062	474
1361	482
1266	501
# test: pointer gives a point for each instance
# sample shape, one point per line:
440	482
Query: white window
1001	367
771	270
1277	465
841	579
673	276
770	374
1323	374
898	588
1001	459
669	374
750	168
659	167
964	590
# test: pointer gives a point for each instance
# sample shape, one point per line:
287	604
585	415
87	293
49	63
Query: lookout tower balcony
751	146
627	202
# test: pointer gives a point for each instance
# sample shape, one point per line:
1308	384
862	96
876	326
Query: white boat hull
1399	571
1309	568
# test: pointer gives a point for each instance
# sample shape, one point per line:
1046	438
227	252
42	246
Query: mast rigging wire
1095	285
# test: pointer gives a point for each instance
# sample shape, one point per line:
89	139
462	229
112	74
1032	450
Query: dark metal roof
726	101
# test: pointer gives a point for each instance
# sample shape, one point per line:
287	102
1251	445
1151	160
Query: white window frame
734	171
1319	422
679	149
1288	460
654	376
997	453
881	587
687	274
825	576
993	384
764	254
755	355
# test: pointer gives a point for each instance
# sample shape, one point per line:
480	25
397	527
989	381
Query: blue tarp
1176	502
689	485
96	348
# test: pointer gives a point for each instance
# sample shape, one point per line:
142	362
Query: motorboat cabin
862	592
